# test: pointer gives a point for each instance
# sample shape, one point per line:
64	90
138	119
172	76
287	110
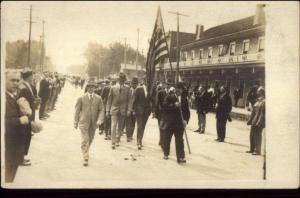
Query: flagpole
163	28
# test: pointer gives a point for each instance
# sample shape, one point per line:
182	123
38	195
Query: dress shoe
139	147
217	140
255	153
113	146
249	151
25	163
106	138
201	132
198	130
221	140
100	132
85	163
117	144
166	157
181	160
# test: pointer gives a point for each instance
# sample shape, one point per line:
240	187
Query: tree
103	61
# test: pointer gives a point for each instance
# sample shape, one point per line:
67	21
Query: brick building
230	54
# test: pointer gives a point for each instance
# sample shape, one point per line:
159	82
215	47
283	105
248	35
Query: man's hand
24	120
184	123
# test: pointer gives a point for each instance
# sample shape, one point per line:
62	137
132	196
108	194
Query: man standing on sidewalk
89	113
201	102
107	119
117	106
44	94
14	137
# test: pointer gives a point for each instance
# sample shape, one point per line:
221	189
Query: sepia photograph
149	94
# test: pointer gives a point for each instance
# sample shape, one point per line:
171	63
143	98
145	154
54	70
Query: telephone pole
41	52
29	39
125	55
137	51
177	44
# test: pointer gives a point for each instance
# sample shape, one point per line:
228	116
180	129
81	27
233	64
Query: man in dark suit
201	102
44	94
14	123
107	118
142	109
130	119
224	106
161	94
26	91
175	117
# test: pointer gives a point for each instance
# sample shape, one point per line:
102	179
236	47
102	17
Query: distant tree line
103	61
17	55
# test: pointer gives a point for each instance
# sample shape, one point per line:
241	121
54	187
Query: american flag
158	51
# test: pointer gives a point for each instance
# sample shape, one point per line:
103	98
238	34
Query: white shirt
145	90
91	96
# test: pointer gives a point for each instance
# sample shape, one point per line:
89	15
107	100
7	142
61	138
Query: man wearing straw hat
89	113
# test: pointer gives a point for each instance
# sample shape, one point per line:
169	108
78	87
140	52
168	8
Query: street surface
57	160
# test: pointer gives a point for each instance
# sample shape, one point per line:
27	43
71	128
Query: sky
70	26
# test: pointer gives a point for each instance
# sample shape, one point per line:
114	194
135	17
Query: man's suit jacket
14	133
141	103
161	94
105	94
27	91
185	106
202	102
118	100
89	112
224	106
44	91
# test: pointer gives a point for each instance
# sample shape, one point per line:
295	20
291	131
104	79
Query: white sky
71	25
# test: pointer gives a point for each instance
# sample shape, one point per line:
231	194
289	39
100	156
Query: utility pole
177	44
125	55
41	52
29	39
137	51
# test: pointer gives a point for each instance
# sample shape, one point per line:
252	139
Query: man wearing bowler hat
89	113
117	106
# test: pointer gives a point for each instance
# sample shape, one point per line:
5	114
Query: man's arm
100	119
78	108
109	100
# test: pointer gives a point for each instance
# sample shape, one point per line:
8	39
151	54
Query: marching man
89	115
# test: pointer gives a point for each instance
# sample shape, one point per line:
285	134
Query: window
210	51
184	56
220	48
261	44
232	48
193	54
200	53
246	46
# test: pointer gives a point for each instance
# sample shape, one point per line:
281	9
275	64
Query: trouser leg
167	141
179	144
257	139
85	143
218	128
223	128
91	135
139	120
161	141
130	125
107	126
252	146
27	141
10	172
202	120
114	123
121	126
199	121
42	107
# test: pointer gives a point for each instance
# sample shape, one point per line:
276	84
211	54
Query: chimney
259	17
199	31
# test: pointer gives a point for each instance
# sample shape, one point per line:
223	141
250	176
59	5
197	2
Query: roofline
199	41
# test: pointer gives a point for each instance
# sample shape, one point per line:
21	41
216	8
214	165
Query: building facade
230	54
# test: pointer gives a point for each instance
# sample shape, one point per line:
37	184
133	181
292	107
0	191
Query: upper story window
232	48
246	44
210	52
220	50
200	53
261	44
193	54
